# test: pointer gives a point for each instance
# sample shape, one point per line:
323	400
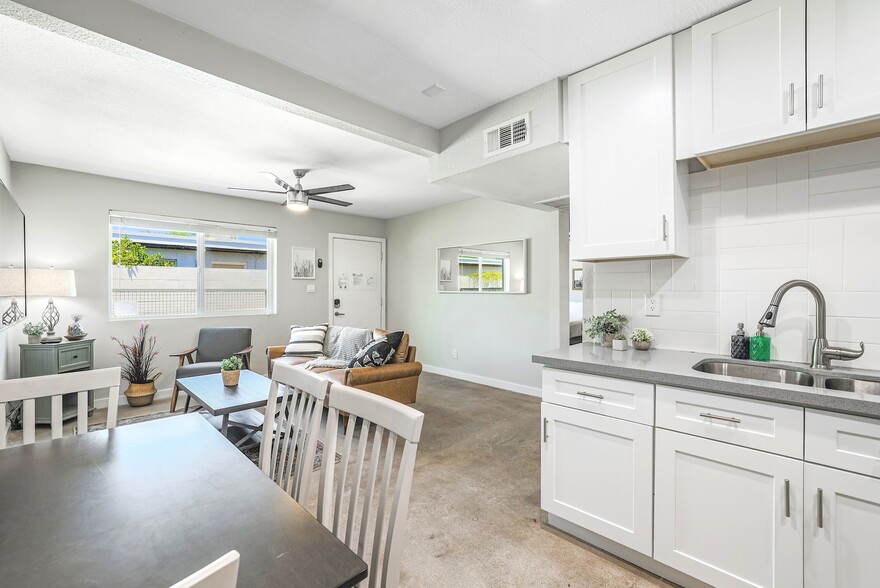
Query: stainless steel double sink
785	374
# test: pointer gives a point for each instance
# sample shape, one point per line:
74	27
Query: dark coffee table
251	393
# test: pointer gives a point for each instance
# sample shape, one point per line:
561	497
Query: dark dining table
147	504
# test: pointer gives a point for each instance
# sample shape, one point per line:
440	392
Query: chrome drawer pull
821	90
788	499
590	395
545	430
791	99
820	519
718	417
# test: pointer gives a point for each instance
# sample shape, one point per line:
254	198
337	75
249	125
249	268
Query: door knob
337	313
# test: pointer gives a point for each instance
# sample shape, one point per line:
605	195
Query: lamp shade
11	281
51	282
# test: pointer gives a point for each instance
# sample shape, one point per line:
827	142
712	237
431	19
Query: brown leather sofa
397	380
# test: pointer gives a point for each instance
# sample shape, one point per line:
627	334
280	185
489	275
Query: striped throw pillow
306	341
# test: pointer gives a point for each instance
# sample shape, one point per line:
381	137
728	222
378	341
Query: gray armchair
215	345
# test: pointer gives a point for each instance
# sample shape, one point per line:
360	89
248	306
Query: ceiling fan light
297	206
297	201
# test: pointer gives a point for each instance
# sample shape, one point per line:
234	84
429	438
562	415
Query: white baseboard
467	377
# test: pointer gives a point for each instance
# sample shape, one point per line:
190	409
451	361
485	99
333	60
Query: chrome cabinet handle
337	313
791	99
590	395
665	228
821	90
718	417
545	430
788	499
820	518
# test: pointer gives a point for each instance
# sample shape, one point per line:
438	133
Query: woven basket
140	394
230	379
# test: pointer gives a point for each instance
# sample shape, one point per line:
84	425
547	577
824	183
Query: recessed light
433	90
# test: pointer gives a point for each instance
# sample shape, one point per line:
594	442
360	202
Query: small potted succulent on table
34	331
606	325
230	368
641	339
619	342
137	366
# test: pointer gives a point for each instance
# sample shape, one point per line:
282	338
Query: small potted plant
230	368
34	331
137	366
619	342
605	326
641	339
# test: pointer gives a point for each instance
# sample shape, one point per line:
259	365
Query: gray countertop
675	368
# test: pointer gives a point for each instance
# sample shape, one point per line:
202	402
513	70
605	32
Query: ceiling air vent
508	135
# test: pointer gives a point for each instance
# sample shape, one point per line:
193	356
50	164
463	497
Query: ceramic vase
642	345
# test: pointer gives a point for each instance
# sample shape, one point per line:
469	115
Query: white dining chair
222	573
346	501
290	428
27	390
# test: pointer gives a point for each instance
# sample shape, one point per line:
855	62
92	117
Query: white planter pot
619	344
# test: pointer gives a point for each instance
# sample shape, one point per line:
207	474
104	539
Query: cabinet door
596	473
843	61
622	156
727	515
842	552
749	70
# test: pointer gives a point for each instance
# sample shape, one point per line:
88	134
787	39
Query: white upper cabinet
748	74
843	61
626	197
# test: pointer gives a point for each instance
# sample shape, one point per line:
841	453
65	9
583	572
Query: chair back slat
290	429
359	502
221	573
54	387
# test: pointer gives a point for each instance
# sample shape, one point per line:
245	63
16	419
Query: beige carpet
476	499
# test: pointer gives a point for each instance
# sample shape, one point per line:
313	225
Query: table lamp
12	284
51	282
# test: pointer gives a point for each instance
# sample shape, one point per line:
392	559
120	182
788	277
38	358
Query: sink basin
767	373
852	385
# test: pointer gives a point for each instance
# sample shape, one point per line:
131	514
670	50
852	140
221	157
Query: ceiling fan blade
329	189
255	190
329	200
277	180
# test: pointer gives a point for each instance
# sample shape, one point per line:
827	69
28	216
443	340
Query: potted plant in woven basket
230	368
137	366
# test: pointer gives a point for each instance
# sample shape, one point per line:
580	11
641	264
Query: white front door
357	276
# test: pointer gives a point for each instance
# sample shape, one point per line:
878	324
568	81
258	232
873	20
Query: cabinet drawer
767	426
74	358
843	441
623	399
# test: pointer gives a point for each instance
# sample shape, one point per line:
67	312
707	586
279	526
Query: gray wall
67	227
495	334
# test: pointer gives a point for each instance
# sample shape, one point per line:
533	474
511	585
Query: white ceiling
76	106
482	51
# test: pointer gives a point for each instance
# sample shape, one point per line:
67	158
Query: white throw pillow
306	341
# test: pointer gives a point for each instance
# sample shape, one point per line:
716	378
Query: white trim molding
467	377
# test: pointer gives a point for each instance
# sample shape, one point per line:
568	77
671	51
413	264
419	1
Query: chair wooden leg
174	392
186	405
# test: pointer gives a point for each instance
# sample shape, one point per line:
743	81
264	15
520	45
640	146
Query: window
483	271
163	267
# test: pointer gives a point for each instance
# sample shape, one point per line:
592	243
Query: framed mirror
13	290
483	268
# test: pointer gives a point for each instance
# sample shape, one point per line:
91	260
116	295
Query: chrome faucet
822	352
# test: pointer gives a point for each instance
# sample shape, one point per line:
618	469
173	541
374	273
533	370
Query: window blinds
150	221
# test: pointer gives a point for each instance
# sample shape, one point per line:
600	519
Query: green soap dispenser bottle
759	346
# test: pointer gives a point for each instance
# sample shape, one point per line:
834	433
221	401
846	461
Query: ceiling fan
297	198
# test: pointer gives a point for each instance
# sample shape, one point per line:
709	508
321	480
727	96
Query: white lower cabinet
727	515
596	473
842	523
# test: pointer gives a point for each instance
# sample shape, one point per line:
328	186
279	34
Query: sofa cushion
343	343
377	352
292	360
402	349
306	341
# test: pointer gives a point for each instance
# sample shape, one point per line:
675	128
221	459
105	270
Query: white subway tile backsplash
812	215
826	253
770	257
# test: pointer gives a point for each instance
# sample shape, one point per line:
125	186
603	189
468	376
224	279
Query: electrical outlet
310	288
454	353
652	305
